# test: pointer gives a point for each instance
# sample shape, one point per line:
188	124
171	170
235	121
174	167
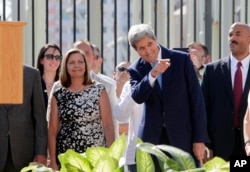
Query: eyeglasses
51	57
122	69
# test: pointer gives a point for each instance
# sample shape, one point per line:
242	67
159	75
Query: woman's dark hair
42	51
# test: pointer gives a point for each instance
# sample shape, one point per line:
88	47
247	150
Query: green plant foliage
217	164
106	163
93	154
165	162
179	160
72	161
29	168
36	168
144	161
117	149
185	160
101	159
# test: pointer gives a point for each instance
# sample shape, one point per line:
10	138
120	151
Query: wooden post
11	62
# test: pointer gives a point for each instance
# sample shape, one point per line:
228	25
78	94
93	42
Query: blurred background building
106	23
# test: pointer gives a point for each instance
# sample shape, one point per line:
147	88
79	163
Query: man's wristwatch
247	142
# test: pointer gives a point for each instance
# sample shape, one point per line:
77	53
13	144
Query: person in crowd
202	51
200	57
225	86
80	113
246	128
164	89
97	64
127	111
121	76
48	63
23	127
109	83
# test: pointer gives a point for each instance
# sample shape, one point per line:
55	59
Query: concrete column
95	22
162	22
226	22
190	18
39	29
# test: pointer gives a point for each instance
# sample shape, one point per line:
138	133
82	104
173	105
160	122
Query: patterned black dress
80	120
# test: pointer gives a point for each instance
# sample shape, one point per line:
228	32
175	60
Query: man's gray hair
138	32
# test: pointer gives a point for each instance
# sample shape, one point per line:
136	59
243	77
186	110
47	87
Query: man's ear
100	60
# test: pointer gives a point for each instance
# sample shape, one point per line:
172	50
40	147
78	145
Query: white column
226	22
149	12
200	20
95	22
39	28
162	22
190	22
174	27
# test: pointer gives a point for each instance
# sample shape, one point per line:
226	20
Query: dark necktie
237	94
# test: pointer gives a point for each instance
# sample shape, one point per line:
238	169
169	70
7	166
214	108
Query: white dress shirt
127	110
244	69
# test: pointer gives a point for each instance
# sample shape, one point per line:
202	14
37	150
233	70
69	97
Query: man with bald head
85	46
225	86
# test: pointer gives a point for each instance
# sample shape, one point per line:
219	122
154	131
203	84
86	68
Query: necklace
76	90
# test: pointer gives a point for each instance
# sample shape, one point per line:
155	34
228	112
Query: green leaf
201	169
138	140
118	147
29	168
217	164
106	164
165	162
71	160
37	167
184	159
93	154
43	168
144	161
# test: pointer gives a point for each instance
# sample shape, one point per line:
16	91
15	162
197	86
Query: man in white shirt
127	110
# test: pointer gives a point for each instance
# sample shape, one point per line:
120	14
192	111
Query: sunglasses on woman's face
51	57
122	69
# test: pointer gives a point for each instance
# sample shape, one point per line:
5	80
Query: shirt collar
245	61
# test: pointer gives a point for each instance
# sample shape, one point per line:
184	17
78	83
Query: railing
106	23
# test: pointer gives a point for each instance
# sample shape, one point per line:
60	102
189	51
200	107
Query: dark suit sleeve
39	116
141	88
205	89
196	100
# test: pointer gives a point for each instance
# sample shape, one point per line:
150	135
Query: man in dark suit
174	111
218	84
23	127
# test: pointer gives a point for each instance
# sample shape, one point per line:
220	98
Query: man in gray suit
23	127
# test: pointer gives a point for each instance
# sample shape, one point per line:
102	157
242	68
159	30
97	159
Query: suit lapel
246	89
166	76
228	81
144	67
